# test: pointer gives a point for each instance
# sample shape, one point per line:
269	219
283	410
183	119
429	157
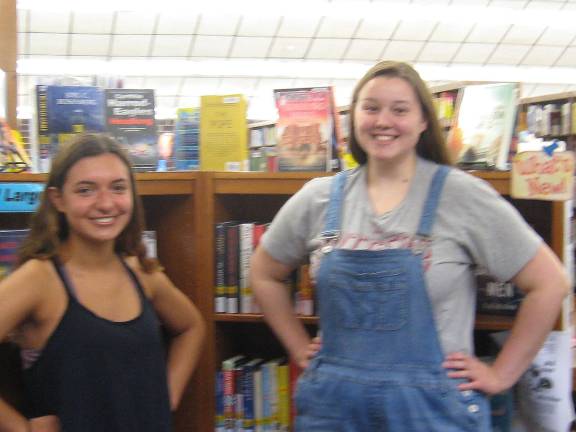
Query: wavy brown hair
431	144
49	227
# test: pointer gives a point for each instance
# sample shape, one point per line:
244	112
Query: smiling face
388	119
96	198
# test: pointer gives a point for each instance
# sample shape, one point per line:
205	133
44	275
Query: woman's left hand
480	376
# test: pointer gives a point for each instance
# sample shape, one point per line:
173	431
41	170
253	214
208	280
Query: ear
423	125
55	197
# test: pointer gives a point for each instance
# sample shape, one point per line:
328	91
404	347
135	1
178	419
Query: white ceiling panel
365	49
298	27
558	36
414	30
23	43
289	47
246	47
254	25
211	46
224	24
310	82
451	32
543	56
49	43
487	33
438	52
327	48
376	28
508	54
164	86
89	44
568	58
135	23
523	34
243	86
23	17
92	22
266	86
200	86
188	101
171	22
332	27
402	51
49	22
474	53
511	4
133	82
131	45
171	45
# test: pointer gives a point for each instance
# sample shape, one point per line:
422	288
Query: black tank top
98	375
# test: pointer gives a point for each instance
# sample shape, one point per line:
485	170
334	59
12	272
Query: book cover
283	397
64	111
187	139
304	129
223	133
482	131
130	119
229	390
495	297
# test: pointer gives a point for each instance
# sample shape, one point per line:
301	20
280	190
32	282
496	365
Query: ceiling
193	49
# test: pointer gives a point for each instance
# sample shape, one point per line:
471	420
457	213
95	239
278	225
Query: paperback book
130	118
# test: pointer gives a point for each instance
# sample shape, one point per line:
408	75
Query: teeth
384	138
104	220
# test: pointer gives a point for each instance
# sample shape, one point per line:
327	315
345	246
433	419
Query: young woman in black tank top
86	305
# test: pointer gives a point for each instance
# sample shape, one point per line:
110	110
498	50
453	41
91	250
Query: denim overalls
379	368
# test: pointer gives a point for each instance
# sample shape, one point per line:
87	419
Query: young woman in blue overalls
392	246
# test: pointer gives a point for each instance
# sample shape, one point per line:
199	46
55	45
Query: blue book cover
187	139
130	119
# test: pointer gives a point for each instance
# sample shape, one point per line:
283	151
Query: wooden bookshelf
183	208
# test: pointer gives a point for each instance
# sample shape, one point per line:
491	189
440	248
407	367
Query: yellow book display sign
223	133
537	175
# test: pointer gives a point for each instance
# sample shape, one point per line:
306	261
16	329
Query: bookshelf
183	208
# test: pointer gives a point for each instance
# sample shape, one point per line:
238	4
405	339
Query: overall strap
431	204
333	217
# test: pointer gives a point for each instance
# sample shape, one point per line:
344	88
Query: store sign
542	176
20	197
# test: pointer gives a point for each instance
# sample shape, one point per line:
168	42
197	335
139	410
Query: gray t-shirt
474	227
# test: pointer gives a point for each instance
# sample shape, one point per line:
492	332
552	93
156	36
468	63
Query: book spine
246	245
219	268
219	418
232	273
283	397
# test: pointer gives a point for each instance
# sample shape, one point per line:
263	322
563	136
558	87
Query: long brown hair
49	227
431	144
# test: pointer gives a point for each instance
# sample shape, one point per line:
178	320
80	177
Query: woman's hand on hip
480	376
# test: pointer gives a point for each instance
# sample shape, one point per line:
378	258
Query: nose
383	119
105	200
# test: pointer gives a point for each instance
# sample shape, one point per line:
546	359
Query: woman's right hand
45	424
303	360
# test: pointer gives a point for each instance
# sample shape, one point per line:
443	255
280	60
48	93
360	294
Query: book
247	422
219	425
246	245
150	243
64	111
231	268
187	139
130	119
220	267
305	129
10	241
495	297
229	390
13	154
223	133
481	134
270	395
284	399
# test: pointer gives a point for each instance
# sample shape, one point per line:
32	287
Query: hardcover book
305	129
64	111
484	122
187	139
130	118
223	133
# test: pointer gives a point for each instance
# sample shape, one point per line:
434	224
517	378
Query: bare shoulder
151	282
32	275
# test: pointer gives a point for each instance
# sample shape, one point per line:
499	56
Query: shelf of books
206	225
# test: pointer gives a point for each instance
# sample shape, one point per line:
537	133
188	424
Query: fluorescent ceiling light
361	9
286	69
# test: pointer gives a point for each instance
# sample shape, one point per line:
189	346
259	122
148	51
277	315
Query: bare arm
545	284
267	277
188	329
